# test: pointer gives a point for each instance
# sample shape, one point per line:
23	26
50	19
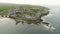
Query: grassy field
5	6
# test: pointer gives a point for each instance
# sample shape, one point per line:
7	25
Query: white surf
48	27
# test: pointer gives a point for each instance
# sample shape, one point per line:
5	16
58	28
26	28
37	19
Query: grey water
8	26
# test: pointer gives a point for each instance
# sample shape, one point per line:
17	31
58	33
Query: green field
6	6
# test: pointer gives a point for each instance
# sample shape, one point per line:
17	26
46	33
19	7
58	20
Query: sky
33	2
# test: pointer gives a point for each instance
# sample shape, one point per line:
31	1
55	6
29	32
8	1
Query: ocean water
8	26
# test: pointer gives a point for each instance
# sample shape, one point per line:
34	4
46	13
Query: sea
8	26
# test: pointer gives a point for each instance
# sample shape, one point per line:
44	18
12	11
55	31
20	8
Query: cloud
34	2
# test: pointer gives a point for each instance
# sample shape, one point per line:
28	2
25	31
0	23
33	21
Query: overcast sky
33	2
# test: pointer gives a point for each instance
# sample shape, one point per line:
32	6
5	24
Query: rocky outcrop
26	13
